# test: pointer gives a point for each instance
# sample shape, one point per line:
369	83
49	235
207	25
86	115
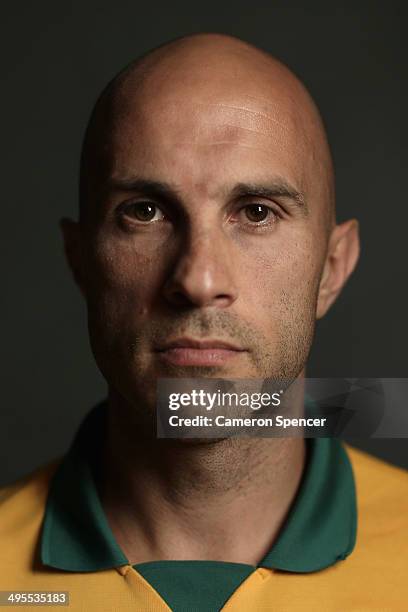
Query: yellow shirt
54	536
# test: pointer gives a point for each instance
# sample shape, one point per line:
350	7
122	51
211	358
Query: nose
203	273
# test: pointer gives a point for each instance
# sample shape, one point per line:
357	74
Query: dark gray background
56	58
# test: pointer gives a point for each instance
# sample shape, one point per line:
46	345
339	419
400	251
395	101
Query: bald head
203	89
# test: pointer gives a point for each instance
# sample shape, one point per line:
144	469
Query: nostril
223	300
178	298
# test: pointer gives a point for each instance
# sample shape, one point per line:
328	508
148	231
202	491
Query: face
205	243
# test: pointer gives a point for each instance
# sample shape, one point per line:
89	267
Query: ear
341	259
71	232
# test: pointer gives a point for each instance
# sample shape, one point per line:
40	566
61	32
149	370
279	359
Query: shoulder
382	503
22	505
376	479
34	481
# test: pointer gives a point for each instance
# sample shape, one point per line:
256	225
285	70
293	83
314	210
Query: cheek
283	279
122	276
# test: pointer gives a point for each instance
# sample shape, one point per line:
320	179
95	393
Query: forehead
203	140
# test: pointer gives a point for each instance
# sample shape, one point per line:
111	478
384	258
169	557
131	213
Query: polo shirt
55	536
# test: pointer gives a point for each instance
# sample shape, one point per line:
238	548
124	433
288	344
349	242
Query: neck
222	500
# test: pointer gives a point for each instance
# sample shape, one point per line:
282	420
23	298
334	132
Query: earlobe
341	259
71	232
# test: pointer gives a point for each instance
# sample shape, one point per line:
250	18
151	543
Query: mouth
192	352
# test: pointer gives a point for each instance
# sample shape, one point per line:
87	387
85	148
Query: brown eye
256	212
145	212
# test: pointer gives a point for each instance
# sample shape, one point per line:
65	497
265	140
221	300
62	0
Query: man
206	246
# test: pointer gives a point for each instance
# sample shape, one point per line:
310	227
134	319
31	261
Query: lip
199	344
191	351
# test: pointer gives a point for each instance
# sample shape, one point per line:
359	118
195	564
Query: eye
259	213
143	211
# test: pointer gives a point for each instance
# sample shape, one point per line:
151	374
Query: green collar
320	528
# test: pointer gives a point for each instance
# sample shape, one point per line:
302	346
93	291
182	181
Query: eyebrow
157	189
277	187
